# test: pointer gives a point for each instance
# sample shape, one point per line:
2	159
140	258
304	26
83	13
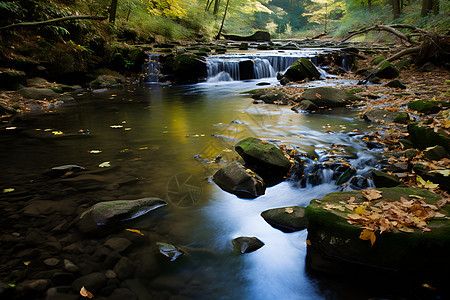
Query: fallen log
57	20
387	28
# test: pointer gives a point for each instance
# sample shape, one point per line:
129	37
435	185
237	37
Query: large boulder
386	116
425	137
382	179
236	179
107	215
328	97
38	93
246	68
286	219
264	157
104	81
427	107
302	69
332	237
189	68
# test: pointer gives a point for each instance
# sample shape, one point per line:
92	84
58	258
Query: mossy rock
386	116
263	155
189	68
377	60
425	137
427	107
286	219
382	179
328	97
302	69
387	71
334	238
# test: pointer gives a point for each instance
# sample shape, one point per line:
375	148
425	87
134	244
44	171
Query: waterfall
150	69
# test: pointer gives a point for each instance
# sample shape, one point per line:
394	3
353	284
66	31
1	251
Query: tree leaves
85	293
372	194
426	184
105	164
367	234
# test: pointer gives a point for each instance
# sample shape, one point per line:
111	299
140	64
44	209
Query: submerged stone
425	137
108	214
236	179
169	251
386	116
286	219
335	239
246	244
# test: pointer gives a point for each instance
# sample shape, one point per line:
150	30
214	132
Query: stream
167	138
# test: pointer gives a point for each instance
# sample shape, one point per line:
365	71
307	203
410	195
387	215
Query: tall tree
429	6
223	21
396	8
112	11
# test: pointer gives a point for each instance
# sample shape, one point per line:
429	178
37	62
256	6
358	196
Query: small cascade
151	69
215	66
263	69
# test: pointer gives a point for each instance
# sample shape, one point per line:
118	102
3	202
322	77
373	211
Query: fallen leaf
105	164
372	194
8	190
406	229
426	184
26	263
116	126
446	173
85	293
57	132
368	235
94	151
134	230
289	210
308	242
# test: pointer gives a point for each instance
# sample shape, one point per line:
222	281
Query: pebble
51	262
110	274
70	266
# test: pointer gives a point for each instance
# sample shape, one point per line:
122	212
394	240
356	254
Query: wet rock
425	137
245	244
86	182
265	156
124	268
378	59
169	251
118	244
93	282
328	97
407	143
308	105
112	259
382	179
110	274
44	207
107	214
302	69
435	153
38	93
411	153
359	182
70	266
236	179
6	291
243	46
63	278
333	237
396	84
189	68
426	107
270	96
381	115
105	81
387	71
246	68
398	167
62	170
51	262
121	294
286	219
31	288
345	176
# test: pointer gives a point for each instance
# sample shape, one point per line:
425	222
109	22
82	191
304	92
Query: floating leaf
446	173
26	263
94	151
105	164
9	190
368	235
134	230
85	293
116	126
372	194
127	129
57	132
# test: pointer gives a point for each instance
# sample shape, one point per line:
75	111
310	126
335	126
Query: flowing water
168	137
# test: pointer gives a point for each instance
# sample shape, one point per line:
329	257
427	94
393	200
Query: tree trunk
427	6
436	7
369	4
216	7
223	20
396	8
112	11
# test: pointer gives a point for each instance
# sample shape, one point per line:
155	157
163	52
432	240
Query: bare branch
57	20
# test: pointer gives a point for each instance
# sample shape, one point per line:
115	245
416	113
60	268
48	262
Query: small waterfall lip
151	69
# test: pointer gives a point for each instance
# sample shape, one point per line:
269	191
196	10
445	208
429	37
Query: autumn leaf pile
384	216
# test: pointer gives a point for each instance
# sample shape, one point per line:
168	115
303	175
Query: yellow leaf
26	263
372	194
406	229
308	242
85	293
57	132
8	190
446	173
360	210
368	235
426	184
134	230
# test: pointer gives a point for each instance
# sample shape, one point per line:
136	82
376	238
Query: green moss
377	60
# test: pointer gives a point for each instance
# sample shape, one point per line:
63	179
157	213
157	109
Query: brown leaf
368	235
372	194
85	293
